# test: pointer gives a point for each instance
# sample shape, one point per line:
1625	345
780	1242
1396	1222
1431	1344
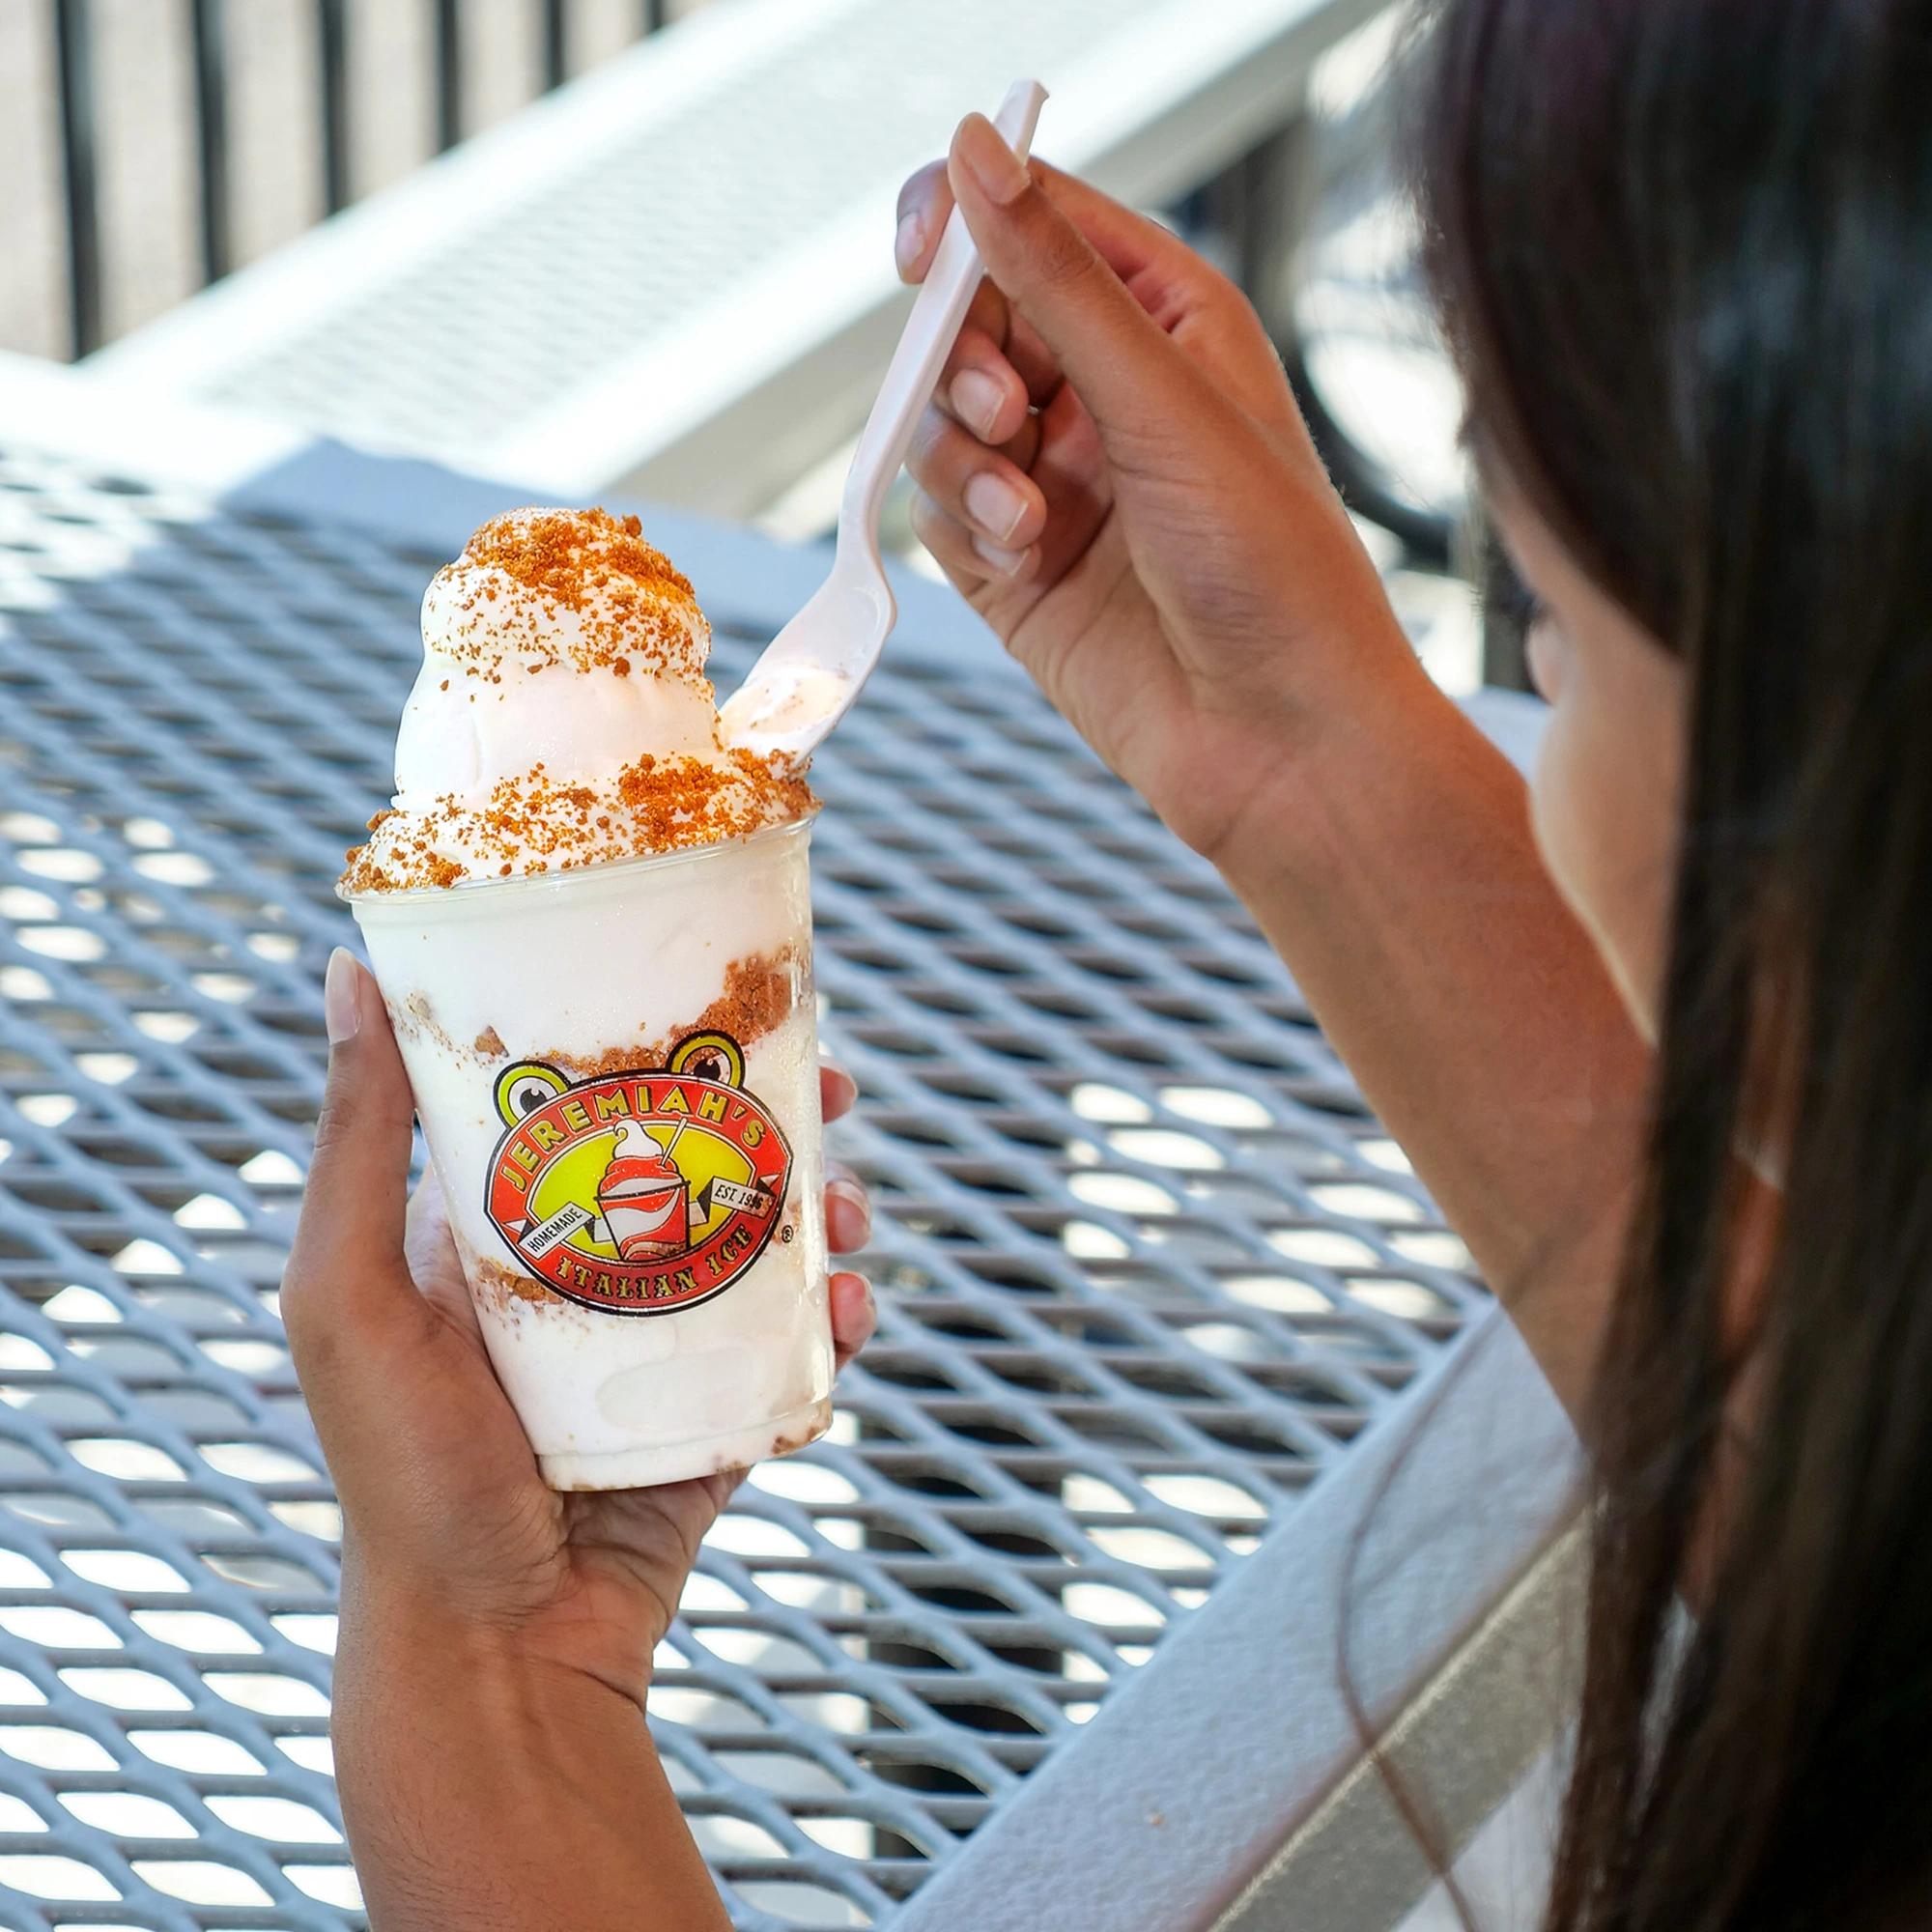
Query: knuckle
297	1294
1062	260
941	534
927	433
321	1356
1228	307
987	313
335	1134
928	521
930	436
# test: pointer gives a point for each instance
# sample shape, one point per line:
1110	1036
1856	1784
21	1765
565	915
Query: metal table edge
1184	1789
251	464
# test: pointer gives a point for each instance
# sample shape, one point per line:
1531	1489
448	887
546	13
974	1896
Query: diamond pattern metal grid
1146	1266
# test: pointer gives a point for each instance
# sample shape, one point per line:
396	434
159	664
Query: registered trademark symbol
784	1234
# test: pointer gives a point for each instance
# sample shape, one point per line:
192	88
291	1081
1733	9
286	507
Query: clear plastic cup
617	1070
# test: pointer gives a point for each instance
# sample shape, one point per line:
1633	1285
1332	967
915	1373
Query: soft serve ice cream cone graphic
644	1200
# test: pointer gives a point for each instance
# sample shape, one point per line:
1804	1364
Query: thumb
347	1268
1122	363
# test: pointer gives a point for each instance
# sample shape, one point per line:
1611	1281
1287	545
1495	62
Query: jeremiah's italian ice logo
639	1191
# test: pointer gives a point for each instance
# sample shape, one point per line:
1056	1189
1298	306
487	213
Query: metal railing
74	28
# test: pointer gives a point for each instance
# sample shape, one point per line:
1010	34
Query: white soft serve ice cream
563	715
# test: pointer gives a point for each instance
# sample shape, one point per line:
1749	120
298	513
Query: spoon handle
937	312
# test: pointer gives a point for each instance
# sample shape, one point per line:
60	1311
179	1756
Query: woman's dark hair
1684	251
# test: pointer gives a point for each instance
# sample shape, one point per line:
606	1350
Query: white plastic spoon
810	672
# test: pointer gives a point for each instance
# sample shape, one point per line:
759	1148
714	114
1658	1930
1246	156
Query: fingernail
994	504
998	170
977	399
1008	563
854	1198
908	242
341	1009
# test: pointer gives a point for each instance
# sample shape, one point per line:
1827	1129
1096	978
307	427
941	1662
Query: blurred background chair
665	273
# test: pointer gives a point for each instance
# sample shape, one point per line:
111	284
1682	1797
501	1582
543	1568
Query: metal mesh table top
1146	1267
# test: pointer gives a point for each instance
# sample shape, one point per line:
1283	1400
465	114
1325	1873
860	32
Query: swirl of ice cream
562	716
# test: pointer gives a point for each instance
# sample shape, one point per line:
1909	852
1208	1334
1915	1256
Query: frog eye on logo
525	1088
710	1056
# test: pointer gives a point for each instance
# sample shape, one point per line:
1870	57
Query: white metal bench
674	276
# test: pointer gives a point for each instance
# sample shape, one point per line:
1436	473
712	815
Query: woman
1658	1038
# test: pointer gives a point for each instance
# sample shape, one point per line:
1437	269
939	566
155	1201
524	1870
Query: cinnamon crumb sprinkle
578	591
414	1019
617	599
490	1281
760	993
663	805
758	996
